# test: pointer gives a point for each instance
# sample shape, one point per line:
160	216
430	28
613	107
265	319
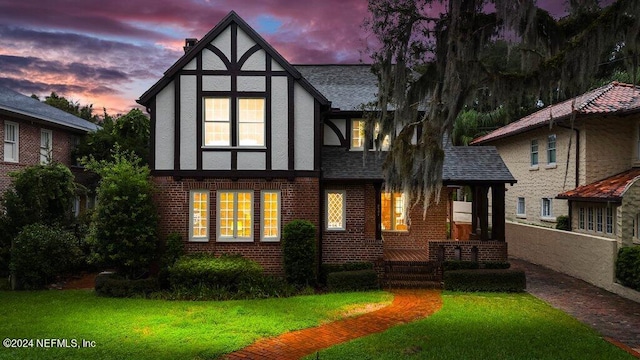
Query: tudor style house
36	133
579	158
243	142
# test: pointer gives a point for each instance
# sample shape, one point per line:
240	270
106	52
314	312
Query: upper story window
551	149
46	146
393	211
11	139
220	123
534	152
358	140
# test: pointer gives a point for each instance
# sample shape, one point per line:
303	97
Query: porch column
377	186
497	219
483	212
474	209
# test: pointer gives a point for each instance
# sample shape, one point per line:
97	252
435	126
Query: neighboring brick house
577	158
242	142
36	133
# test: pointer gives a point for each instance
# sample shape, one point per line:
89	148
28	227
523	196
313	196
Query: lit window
251	122
547	211
534	152
393	211
199	215
46	146
270	215
581	218
217	131
358	137
336	210
235	216
520	209
590	218
599	219
551	149
11	137
609	220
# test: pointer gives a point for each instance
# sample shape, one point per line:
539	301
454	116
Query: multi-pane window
393	211
609	220
358	139
581	218
270	215
599	219
547	211
199	215
46	146
520	207
534	152
235	216
217	119
336	210
551	149
590	219
11	136
251	122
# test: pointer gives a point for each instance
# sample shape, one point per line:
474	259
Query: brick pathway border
407	306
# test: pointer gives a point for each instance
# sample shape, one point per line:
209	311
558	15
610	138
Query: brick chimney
189	43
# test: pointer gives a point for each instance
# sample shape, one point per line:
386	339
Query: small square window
520	208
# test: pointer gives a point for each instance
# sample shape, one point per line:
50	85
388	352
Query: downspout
577	173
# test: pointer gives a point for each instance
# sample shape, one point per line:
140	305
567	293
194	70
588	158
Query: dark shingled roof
20	105
462	164
346	86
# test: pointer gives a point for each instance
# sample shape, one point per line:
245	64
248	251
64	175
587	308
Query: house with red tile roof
579	158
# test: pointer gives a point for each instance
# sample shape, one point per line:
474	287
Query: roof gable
24	106
212	35
612	99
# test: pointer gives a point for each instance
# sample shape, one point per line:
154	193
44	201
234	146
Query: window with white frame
609	220
581	216
534	152
551	149
46	146
599	219
358	139
393	215
520	207
547	210
219	122
270	204
235	216
336	210
590	219
199	215
11	141
75	206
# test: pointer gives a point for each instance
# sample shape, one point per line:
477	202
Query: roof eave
46	120
609	199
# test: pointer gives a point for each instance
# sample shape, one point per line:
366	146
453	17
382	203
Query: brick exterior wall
29	148
488	251
299	200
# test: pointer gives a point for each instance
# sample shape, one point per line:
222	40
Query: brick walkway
407	306
613	316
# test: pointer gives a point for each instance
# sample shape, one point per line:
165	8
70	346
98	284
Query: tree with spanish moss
436	58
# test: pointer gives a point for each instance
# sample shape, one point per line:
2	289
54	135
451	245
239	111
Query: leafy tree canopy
70	106
438	57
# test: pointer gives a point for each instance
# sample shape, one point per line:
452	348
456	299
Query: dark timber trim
255	48
334	127
291	122
220	54
238	174
152	135
267	109
176	132
199	119
232	72
317	137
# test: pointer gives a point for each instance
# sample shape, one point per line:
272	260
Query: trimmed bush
459	265
355	280
173	250
496	265
113	286
326	269
40	253
299	252
628	267
563	223
227	272
485	280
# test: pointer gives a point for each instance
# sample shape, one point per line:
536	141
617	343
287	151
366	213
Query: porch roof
609	189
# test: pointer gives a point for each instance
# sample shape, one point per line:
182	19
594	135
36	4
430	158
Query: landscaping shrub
203	270
485	280
354	280
563	223
496	265
459	265
299	252
114	286
628	267
40	253
173	250
326	269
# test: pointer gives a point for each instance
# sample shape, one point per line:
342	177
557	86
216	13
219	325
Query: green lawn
484	326
155	329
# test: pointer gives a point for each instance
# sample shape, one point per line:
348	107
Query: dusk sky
107	53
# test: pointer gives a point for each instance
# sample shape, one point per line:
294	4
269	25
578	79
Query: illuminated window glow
393	215
270	215
199	215
235	216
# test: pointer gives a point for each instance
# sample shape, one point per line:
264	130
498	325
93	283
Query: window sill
396	231
521	216
335	230
234	240
534	168
272	241
199	240
548	218
551	166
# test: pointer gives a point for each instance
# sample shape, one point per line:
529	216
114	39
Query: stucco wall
609	146
534	183
627	213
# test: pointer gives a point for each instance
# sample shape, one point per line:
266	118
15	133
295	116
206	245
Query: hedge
355	280
299	252
491	280
326	269
464	265
227	271
628	267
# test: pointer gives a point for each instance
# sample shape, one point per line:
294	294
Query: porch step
411	284
412	274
